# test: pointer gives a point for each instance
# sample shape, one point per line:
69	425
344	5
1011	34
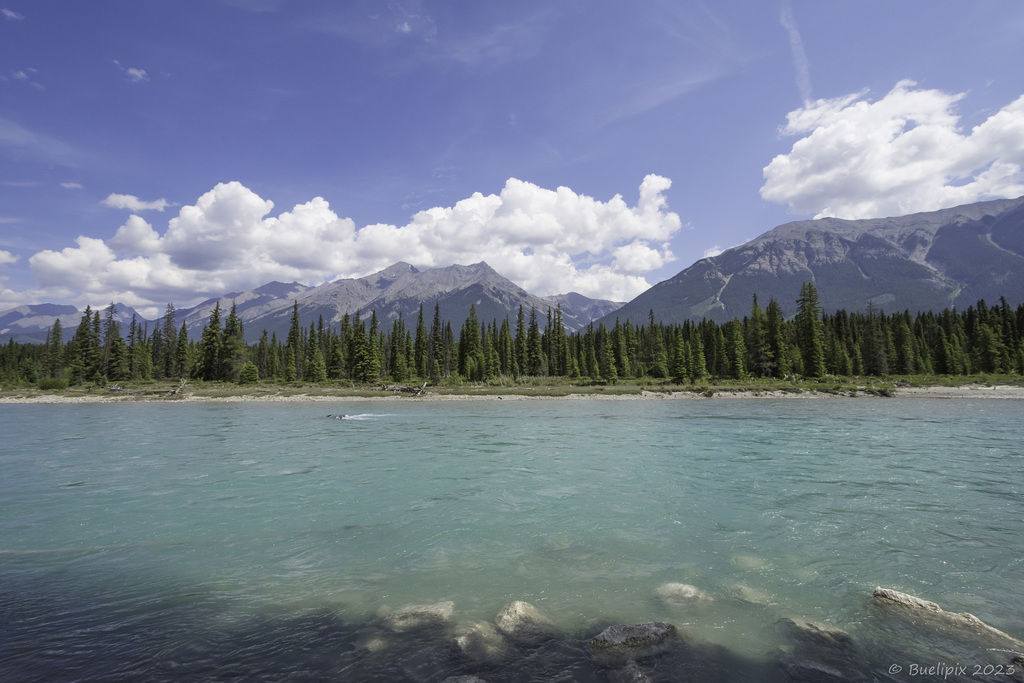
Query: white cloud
902	154
547	241
134	74
7	258
133	203
71	186
11	15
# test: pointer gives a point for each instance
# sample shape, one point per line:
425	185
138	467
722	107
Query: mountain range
398	290
924	261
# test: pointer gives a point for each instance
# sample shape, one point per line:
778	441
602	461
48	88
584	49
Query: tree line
981	339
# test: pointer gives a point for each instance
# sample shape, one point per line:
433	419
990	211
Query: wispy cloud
21	141
11	15
796	45
71	186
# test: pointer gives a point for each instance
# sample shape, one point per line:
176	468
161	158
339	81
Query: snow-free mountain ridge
924	261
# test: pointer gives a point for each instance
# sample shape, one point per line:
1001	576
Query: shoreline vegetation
811	354
959	387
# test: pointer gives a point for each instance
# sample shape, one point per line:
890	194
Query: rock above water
681	594
524	623
420	616
624	642
961	622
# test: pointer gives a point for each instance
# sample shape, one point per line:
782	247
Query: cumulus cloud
7	258
130	202
547	241
901	154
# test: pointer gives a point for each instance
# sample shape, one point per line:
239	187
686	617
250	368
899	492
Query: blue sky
158	151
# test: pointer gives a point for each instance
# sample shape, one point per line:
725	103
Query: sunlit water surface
240	541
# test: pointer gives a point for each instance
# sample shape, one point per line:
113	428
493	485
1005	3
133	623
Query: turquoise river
268	541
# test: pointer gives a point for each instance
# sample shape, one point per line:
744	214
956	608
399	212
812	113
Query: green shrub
53	384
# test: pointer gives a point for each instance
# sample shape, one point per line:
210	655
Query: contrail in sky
796	45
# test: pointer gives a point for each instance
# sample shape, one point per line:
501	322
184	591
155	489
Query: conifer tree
85	349
658	359
735	349
233	352
809	331
294	342
520	343
775	338
761	360
420	357
534	350
208	368
182	360
315	370
698	370
681	363
54	365
168	353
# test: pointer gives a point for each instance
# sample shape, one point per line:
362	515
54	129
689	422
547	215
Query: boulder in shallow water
625	643
681	595
958	622
811	633
416	617
481	642
524	623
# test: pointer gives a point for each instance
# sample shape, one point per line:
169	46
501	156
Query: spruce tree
809	331
182	359
294	342
209	366
420	357
234	352
169	344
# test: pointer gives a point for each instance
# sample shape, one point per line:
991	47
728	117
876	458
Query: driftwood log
398	388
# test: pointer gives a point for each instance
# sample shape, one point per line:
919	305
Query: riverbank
229	394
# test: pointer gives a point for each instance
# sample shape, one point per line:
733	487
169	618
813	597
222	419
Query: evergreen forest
358	351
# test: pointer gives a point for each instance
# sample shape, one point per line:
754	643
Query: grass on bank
508	386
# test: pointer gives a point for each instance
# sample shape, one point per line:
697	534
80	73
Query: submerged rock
481	642
752	595
631	673
681	594
420	616
810	672
625	643
961	622
811	633
524	623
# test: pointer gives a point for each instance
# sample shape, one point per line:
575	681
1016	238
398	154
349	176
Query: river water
242	541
